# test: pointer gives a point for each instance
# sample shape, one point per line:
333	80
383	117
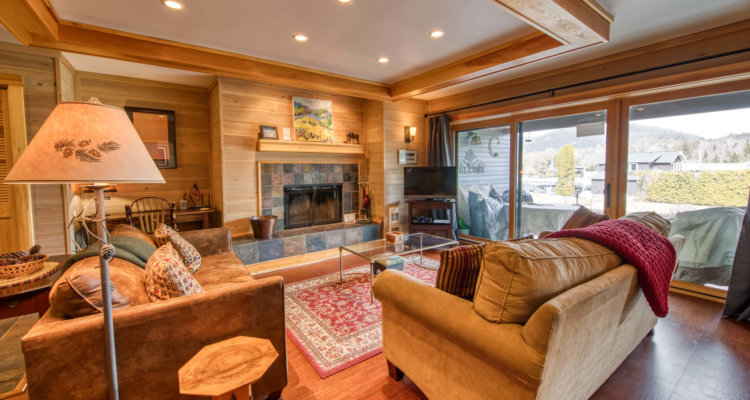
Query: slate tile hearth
299	241
274	177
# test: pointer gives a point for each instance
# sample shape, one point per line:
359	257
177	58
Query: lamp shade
85	143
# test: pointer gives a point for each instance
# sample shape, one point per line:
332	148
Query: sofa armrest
454	319
210	241
153	341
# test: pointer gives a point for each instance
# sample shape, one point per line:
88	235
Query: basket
27	268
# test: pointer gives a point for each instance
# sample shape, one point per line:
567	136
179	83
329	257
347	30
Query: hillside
542	150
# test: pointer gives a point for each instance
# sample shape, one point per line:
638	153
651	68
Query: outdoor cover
738	298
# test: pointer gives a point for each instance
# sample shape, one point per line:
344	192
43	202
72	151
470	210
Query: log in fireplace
308	205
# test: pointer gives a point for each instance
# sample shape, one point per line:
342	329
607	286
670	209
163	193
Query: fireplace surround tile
315	242
294	246
354	235
336	238
275	176
246	251
270	249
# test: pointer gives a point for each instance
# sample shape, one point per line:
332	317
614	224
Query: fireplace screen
308	205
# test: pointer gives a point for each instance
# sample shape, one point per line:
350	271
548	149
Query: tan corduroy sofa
551	319
65	358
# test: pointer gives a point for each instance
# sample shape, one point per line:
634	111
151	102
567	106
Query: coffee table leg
243	393
372	274
341	267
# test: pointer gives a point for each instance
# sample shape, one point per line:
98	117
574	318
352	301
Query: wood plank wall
375	154
38	70
396	116
191	107
242	107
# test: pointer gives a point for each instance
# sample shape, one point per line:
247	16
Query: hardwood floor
693	354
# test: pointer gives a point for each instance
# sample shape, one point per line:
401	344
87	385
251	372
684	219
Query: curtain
439	142
738	297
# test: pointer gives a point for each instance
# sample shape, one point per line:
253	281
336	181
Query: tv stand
430	226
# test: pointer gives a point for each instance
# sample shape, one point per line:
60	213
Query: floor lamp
94	145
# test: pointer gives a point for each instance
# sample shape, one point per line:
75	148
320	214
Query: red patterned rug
334	324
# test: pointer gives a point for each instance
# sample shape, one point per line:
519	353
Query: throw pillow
518	277
583	217
651	220
78	291
190	256
459	270
167	277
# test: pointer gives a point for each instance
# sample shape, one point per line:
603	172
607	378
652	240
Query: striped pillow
459	270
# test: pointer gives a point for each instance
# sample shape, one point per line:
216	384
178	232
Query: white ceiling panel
343	39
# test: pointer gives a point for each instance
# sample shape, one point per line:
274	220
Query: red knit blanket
650	253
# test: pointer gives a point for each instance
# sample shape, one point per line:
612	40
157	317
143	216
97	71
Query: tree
747	148
705	156
735	158
566	171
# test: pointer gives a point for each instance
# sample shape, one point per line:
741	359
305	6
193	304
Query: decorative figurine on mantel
351	137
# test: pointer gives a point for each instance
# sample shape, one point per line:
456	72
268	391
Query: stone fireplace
309	205
309	184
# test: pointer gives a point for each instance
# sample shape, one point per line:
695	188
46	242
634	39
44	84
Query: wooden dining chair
150	213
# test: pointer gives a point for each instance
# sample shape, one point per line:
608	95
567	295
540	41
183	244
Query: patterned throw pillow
583	217
459	270
165	234
167	277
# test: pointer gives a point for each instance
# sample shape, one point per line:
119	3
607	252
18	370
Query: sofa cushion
583	217
221	270
165	234
167	277
131	231
518	277
459	270
78	291
651	220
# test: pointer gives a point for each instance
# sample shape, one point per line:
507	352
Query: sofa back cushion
651	220
131	231
78	291
583	217
518	277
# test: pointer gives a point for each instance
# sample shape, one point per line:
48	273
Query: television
430	182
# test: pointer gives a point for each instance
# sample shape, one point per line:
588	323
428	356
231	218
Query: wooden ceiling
563	26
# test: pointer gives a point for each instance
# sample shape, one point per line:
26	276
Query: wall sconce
410	134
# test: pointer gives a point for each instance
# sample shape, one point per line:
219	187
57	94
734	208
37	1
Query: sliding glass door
483	157
561	168
689	161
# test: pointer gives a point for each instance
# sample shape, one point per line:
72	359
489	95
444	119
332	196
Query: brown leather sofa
551	319
65	358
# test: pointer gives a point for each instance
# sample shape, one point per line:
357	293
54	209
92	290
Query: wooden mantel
309	147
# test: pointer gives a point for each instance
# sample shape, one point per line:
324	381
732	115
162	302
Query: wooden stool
227	368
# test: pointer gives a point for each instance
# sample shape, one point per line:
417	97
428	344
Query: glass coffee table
377	249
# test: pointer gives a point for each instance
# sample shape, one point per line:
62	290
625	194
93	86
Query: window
562	164
693	158
483	159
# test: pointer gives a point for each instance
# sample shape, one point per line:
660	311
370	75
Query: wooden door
15	206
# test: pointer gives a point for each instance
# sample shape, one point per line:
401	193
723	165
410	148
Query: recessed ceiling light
300	37
437	34
173	4
345	1
383	60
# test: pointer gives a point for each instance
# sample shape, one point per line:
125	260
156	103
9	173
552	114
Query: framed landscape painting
313	119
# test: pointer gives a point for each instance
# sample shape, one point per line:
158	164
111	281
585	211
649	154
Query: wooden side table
227	368
28	298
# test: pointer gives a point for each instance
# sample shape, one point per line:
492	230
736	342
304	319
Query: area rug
334	324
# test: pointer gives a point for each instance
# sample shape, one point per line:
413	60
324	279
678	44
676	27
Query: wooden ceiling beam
530	48
581	22
30	21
